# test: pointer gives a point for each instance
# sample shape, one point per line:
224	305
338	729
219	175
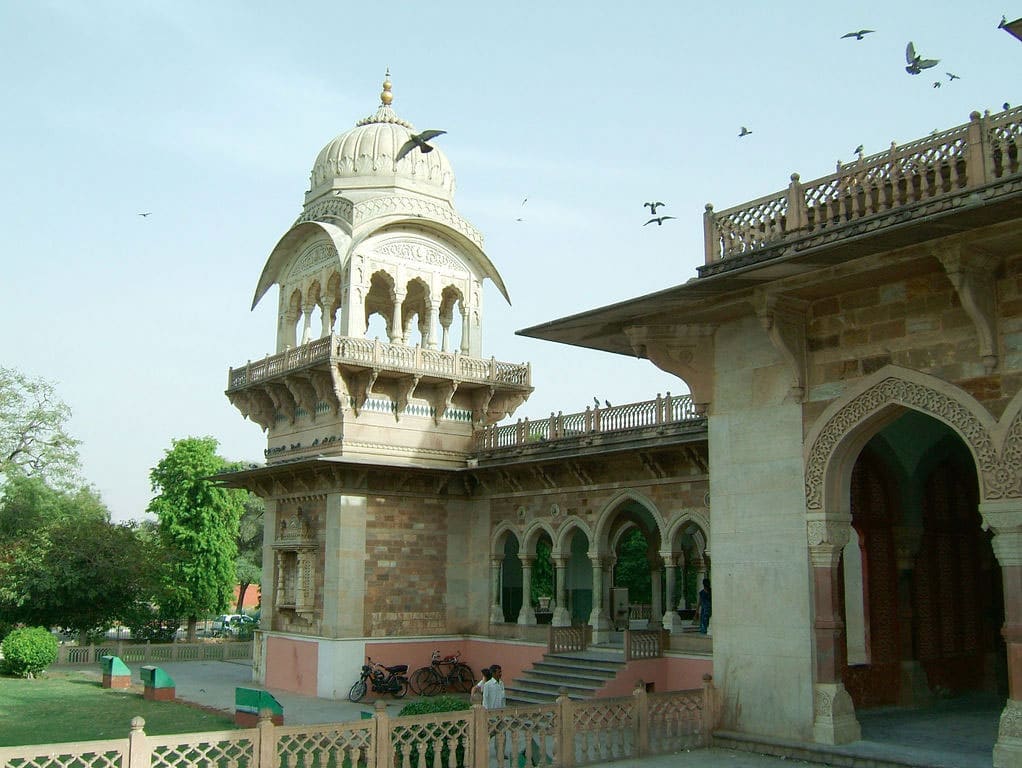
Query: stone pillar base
834	715
673	623
561	617
526	617
915	688
496	614
1008	749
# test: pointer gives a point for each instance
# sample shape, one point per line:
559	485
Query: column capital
1004	518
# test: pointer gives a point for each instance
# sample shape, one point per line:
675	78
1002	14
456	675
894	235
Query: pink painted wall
292	665
476	652
666	674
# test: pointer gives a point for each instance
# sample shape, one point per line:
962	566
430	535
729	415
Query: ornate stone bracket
399	390
329	388
359	385
684	350
304	394
651	465
481	403
439	397
784	320
544	477
971	272
282	398
254	404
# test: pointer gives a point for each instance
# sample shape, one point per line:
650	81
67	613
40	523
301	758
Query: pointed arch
532	534
679	522
848	423
572	525
604	520
499	537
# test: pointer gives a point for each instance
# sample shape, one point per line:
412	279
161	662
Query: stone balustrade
373	353
672	409
980	152
144	653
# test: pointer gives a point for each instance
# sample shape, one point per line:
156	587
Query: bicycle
434	680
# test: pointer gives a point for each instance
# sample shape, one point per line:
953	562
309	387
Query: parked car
231	625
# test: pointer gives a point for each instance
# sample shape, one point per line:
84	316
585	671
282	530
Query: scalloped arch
610	510
568	529
532	533
286	247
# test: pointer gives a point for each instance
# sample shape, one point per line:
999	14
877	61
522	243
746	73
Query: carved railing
145	652
672	409
564	639
644	644
566	733
377	354
979	152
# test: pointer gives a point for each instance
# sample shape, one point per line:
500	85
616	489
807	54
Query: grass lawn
74	706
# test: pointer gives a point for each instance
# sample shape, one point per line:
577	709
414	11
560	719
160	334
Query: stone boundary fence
566	733
141	653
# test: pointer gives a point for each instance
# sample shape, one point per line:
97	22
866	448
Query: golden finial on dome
386	97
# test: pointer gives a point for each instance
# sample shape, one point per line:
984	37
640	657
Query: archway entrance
921	594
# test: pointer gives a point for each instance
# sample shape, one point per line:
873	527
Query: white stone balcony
344	372
911	181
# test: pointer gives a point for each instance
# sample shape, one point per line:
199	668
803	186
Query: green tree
33	435
542	572
249	564
632	569
198	520
63	563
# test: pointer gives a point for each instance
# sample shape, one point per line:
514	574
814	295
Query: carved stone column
671	620
465	334
496	610
561	617
656	608
598	616
914	688
430	342
526	615
397	328
834	719
1004	518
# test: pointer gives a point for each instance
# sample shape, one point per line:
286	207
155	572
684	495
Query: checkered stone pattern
528	731
604	730
221	749
327	747
432	740
675	721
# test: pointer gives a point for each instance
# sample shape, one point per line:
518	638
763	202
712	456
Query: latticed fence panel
333	746
675	721
96	754
523	733
604	730
221	749
432	741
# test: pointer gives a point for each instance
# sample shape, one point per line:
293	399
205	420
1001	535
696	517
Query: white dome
364	157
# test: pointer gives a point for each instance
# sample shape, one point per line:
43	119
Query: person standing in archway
705	607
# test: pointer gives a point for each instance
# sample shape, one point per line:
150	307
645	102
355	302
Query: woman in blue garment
705	606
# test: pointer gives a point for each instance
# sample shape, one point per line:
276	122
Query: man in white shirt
493	690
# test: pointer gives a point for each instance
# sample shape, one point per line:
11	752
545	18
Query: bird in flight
937	83
951	77
653	206
147	213
917	63
1004	22
744	132
525	200
659	220
520	218
418	140
858	35
857	150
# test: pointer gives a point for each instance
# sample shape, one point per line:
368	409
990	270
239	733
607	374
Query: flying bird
659	220
937	83
653	206
1004	22
917	63
147	213
418	140
951	77
857	150
858	35
744	132
520	218
525	200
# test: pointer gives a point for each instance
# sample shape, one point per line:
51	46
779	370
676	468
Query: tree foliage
632	569
198	524
28	651
542	572
63	563
33	437
249	564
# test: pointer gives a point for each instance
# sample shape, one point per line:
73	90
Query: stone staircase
580	673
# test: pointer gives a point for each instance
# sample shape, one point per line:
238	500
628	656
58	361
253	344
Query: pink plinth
117	681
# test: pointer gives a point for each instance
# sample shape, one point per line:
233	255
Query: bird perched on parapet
1006	106
607	403
917	63
951	77
744	132
857	150
858	35
596	400
659	220
653	206
418	140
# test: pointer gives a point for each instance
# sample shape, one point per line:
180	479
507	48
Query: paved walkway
970	725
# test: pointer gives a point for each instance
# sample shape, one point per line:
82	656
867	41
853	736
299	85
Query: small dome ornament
386	98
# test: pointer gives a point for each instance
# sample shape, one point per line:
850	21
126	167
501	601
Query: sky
210	115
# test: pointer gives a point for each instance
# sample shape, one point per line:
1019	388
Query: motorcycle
383	679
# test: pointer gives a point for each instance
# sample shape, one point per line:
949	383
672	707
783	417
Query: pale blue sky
211	114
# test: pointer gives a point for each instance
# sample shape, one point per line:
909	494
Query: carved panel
312	260
421	252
